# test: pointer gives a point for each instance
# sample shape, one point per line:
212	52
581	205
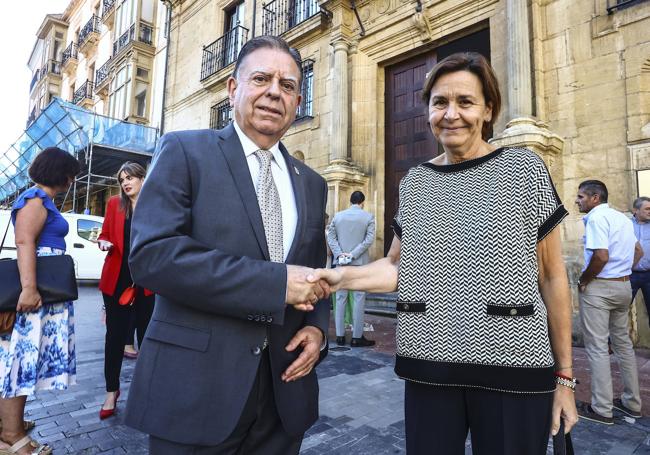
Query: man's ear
231	85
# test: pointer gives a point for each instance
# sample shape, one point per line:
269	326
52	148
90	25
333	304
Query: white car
81	243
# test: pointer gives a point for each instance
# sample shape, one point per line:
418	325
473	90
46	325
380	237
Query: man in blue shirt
604	288
640	278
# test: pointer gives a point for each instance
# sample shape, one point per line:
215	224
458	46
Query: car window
89	229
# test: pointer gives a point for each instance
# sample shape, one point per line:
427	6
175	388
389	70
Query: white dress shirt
608	229
280	170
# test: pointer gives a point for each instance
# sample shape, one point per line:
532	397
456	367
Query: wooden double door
408	137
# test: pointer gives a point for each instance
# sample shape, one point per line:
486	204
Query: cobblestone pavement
361	401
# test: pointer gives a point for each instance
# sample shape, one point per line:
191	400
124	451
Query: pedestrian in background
484	311
349	236
640	278
39	354
116	279
610	251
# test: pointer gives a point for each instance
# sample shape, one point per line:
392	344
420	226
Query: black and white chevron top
469	308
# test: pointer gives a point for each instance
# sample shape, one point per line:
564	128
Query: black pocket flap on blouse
411	307
510	310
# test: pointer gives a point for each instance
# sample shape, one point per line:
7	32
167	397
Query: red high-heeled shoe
106	413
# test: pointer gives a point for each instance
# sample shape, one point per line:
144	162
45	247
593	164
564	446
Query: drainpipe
168	4
254	17
353	5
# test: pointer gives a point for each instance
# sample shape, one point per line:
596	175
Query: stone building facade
575	77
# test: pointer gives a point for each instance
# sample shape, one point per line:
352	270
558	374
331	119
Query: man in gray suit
228	229
350	234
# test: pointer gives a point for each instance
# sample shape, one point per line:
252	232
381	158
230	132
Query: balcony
220	114
108	12
280	16
101	79
222	52
70	59
52	67
145	36
89	35
83	96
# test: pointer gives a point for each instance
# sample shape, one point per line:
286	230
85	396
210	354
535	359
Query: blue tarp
67	126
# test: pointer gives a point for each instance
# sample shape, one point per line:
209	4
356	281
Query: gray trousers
359	305
604	308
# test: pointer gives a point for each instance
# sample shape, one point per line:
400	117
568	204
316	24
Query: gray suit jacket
352	231
198	242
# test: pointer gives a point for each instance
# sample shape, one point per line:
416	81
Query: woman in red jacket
116	278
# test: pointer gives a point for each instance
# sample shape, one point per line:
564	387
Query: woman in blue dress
39	353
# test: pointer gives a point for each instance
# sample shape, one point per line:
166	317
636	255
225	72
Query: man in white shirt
610	250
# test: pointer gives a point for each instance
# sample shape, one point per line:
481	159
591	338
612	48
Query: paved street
361	402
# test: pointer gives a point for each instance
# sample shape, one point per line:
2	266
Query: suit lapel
297	181
238	165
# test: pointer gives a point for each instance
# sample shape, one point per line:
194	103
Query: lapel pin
296	169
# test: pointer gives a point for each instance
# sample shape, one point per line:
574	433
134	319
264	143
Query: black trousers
118	323
258	432
438	419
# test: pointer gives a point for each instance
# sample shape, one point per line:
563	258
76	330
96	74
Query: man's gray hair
638	202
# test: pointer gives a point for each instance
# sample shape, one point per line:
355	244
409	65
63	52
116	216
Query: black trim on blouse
463	165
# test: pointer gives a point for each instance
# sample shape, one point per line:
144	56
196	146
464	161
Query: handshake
306	286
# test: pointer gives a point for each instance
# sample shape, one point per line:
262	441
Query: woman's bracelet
568	367
566	381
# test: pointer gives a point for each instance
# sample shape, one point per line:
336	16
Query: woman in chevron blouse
484	315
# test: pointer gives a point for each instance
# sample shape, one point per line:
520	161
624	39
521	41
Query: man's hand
301	293
564	407
29	300
332	276
310	339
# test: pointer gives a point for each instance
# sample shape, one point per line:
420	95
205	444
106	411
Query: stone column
340	105
520	93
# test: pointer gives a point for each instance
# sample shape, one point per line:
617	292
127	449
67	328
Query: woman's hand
29	300
564	406
333	277
105	245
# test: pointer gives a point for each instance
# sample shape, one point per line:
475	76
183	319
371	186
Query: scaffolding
100	143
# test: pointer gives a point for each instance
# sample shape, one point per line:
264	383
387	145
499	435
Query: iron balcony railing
220	114
108	7
51	67
102	73
92	26
70	52
83	92
223	52
145	36
305	109
282	15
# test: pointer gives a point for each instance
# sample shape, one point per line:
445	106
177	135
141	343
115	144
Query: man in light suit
350	234
228	228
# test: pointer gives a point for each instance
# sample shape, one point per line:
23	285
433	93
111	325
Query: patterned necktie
269	202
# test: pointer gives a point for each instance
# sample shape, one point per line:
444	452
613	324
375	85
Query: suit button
406	307
256	350
269	319
513	312
250	317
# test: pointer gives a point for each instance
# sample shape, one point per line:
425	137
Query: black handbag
562	444
55	279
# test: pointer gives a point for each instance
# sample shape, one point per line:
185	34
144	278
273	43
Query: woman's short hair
53	167
132	169
476	64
